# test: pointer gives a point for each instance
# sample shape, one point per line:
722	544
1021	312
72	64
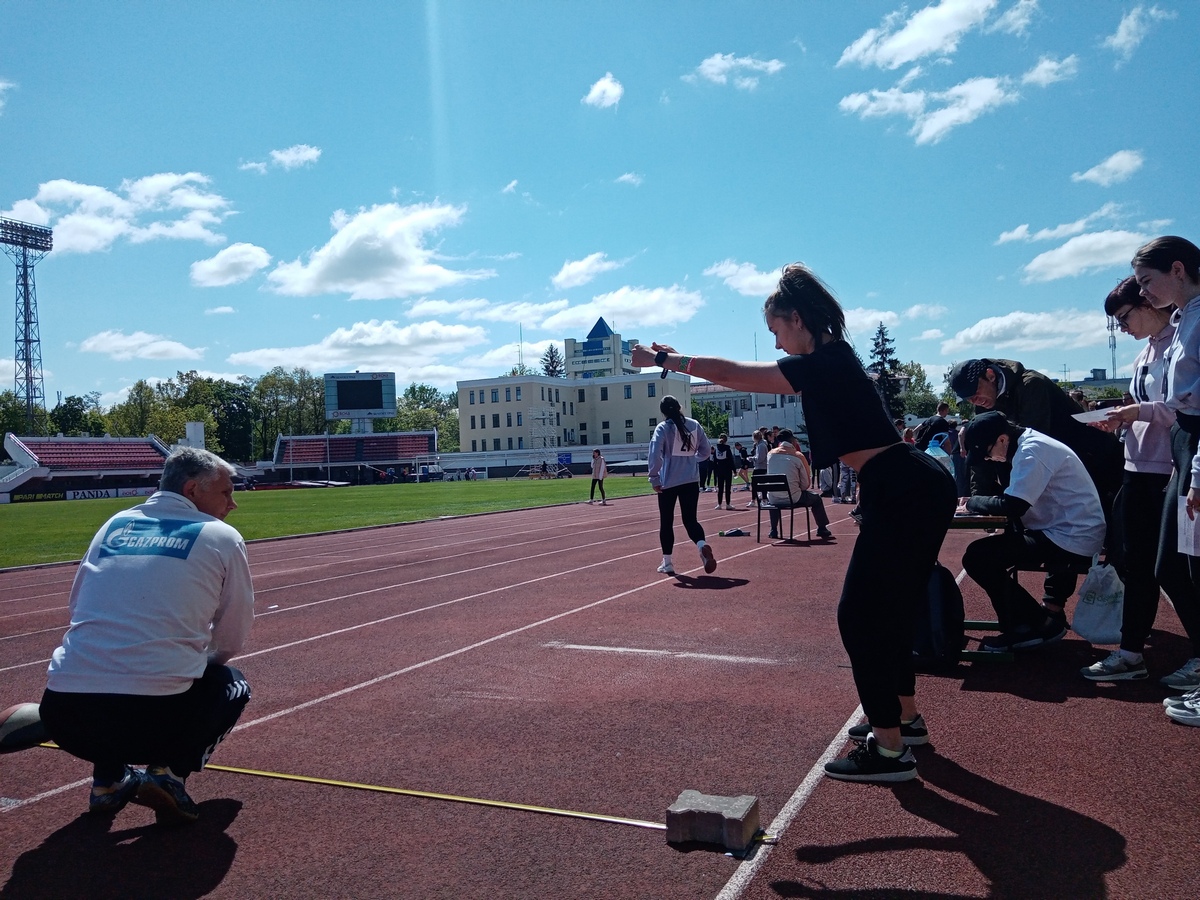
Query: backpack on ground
938	633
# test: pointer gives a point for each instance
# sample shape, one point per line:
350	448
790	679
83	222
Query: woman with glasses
907	504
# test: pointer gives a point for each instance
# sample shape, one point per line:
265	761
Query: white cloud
934	30
509	188
925	311
862	321
87	218
139	345
375	254
8	371
744	70
1132	30
630	178
1108	211
605	92
1030	332
1049	70
1117	168
1016	19
504	357
934	113
1085	253
630	307
296	156
5	87
931	334
745	278
233	265
220	311
259	167
413	352
580	271
521	313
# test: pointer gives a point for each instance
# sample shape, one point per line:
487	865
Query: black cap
964	377
982	431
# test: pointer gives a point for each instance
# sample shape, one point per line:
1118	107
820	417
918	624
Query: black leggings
1177	573
724	484
988	561
907	502
688	496
177	730
597	481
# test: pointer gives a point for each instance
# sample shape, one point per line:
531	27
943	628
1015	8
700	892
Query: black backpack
938	634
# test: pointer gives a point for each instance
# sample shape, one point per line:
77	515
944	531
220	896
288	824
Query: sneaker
774	536
604	503
710	561
667	569
1190	698
111	798
164	794
866	763
856	515
729	506
1185	715
718	506
590	502
1186	677
1026	637
1114	667
912	733
824	533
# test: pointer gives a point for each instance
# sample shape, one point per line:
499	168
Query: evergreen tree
553	364
887	370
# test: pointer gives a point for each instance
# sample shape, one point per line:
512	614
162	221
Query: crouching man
1055	520
161	601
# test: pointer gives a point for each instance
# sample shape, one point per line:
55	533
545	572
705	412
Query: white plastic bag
1097	616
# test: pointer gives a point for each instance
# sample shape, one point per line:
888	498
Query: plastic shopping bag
1097	616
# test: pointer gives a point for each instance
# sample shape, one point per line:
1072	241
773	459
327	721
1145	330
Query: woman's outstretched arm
761	377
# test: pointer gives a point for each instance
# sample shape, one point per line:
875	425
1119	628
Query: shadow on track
709	582
87	859
1024	846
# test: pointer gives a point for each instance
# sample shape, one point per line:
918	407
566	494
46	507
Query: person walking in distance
907	504
678	445
599	470
723	471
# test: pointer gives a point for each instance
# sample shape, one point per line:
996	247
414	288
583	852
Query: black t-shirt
842	409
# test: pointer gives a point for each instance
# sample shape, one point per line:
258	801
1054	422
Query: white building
602	354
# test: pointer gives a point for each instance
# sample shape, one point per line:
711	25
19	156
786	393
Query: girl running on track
907	504
678	445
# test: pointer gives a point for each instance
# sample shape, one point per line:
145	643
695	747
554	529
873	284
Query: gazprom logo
150	537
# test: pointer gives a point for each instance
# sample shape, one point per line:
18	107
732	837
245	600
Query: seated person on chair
786	459
1055	520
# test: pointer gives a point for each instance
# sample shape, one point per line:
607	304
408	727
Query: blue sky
413	186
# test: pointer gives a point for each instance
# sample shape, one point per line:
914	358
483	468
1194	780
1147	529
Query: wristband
685	364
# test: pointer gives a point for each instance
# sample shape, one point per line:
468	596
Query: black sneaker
112	797
1026	637
824	533
167	797
866	763
913	733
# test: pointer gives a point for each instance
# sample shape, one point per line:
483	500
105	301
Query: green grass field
60	531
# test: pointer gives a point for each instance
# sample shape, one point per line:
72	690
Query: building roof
599	331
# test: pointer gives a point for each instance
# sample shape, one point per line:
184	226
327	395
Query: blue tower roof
599	331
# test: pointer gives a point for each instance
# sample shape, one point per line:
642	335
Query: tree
553	364
711	417
919	399
520	369
886	369
12	413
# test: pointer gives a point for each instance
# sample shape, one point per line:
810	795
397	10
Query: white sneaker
718	506
604	503
728	506
1114	667
667	569
590	502
1186	677
1191	698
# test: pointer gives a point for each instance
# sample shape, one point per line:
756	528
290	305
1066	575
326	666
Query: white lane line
7	804
674	654
749	868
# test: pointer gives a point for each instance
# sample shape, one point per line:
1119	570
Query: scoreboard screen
360	395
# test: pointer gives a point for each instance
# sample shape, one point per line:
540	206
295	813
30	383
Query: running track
535	657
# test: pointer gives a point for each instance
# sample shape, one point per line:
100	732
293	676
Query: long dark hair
1162	252
670	408
1127	293
802	292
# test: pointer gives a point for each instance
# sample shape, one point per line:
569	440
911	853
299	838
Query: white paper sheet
1189	530
1094	415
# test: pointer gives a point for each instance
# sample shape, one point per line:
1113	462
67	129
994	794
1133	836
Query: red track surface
536	657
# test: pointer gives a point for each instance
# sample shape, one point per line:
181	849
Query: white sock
1130	657
666	559
700	544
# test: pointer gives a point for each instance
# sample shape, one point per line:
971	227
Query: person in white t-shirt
1055	502
161	601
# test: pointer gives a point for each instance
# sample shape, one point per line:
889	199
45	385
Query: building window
556	395
604	438
581	395
508	422
520	443
603	393
629	437
629	392
653	422
481	398
728	406
572	407
604	426
472	398
518	420
629	423
558	419
508	395
582	427
496	422
495	443
518	395
472	423
495	395
543	392
745	403
473	447
510	443
650	389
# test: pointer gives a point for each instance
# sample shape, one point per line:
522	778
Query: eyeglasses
1123	319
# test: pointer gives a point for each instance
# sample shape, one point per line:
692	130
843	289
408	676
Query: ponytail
672	410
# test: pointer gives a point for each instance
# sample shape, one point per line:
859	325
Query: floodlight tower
25	245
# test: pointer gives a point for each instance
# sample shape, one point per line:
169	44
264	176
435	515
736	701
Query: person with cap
907	504
1055	520
1032	400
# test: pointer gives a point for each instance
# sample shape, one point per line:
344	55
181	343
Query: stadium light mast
25	245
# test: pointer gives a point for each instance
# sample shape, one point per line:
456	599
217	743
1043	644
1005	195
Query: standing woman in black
907	503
